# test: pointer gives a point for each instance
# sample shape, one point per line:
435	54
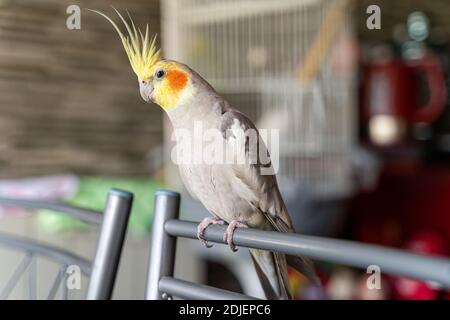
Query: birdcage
289	66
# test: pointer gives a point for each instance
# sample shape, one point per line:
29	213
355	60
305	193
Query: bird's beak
146	89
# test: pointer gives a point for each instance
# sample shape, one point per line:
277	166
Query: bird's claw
202	227
228	235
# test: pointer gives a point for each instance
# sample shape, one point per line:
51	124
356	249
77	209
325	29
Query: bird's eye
159	74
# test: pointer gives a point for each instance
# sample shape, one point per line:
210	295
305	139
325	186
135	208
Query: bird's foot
228	235
202	227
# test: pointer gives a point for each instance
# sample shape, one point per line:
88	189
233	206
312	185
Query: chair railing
166	228
33	249
82	214
102	270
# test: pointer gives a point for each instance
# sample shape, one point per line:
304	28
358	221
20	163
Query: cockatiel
235	193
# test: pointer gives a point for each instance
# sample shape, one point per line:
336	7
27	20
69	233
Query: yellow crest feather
140	48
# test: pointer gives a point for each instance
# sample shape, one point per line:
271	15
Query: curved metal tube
393	261
85	215
188	290
56	254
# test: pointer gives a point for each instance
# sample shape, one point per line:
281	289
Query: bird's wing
258	186
186	175
261	191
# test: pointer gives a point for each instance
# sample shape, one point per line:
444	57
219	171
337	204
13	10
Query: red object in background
396	214
408	289
392	88
425	242
403	204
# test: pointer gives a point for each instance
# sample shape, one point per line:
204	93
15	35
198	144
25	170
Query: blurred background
363	115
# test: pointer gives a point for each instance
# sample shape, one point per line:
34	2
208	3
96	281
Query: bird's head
166	83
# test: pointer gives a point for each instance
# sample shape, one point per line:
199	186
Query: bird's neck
202	108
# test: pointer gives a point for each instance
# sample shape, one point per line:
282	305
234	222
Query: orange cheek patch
177	80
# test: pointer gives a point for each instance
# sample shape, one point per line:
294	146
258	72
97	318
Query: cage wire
285	65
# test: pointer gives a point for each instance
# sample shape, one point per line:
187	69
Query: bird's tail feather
305	266
271	268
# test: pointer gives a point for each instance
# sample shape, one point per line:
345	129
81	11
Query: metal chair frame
102	270
161	283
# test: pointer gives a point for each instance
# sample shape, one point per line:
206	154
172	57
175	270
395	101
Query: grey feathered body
234	191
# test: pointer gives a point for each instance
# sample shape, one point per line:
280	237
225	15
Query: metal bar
391	261
32	280
162	246
86	215
54	253
55	286
224	11
109	247
63	284
188	290
12	282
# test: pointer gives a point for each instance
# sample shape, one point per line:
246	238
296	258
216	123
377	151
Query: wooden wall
69	101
